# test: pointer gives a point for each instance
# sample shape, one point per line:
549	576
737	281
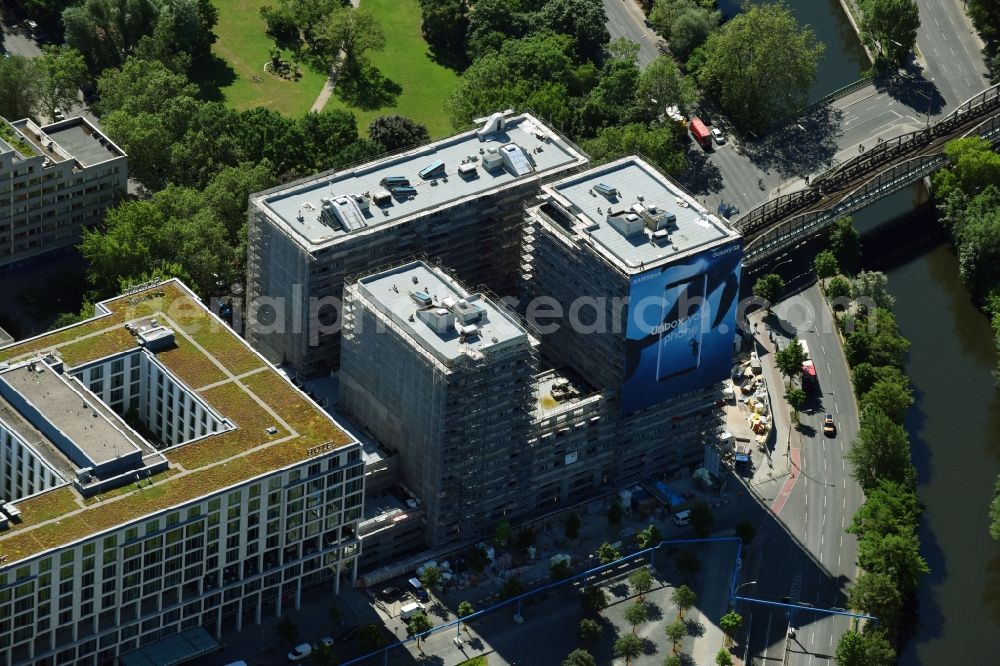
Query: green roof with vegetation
8	134
217	364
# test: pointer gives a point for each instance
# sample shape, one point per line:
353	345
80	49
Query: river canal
954	427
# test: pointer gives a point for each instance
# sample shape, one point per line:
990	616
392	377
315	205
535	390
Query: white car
327	641
300	652
719	137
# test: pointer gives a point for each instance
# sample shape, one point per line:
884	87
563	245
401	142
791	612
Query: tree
641	581
896	555
583	20
770	288
877	594
477	559
690	30
559	570
397	132
608	553
589	630
430	578
579	657
839	288
761	65
636	614
287	630
370	638
864	376
512	586
864	649
323	655
688	563
661	85
890	397
673	660
889	508
628	647
418	624
683	597
825	265
723	658
19	84
444	24
890	28
872	285
615	514
702	519
464	610
61	73
352	32
660	144
106	32
845	243
571	526
790	359
995	512
676	631
502	532
796	398
649	537
857	347
880	452
730	622
594	598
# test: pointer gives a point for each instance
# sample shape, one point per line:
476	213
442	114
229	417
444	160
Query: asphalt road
806	556
625	19
952	50
952	71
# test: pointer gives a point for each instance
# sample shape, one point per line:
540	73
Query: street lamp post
737	590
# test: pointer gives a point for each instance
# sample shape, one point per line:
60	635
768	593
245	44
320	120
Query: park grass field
243	44
406	61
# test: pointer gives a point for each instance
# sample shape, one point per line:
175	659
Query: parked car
300	652
349	633
829	428
719	137
57	115
391	593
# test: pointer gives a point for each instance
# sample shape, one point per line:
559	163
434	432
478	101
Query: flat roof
540	145
393	293
633	182
557	389
277	426
96	430
83	141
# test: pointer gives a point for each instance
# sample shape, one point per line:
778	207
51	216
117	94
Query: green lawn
475	661
406	62
243	44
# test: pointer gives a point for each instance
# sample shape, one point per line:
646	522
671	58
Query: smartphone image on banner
681	328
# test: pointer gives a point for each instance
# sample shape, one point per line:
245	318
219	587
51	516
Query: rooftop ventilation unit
467	170
439	319
468	313
492	159
605	190
394	181
466	330
434	168
421	298
495	123
627	224
516	159
342	212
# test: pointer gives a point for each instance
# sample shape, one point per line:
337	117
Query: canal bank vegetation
968	199
886	523
985	15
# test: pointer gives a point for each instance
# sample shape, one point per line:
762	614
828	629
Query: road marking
845	483
828	368
936	23
831	640
841	446
824	501
842	519
841	540
822	539
843	465
824	351
836	407
824	464
838	560
843	505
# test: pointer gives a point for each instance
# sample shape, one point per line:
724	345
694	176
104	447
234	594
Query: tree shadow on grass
211	74
367	89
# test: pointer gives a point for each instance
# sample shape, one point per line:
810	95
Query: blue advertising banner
681	321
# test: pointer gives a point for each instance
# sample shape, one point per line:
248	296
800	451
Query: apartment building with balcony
54	180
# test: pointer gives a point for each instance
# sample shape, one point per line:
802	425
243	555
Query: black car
349	633
391	593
